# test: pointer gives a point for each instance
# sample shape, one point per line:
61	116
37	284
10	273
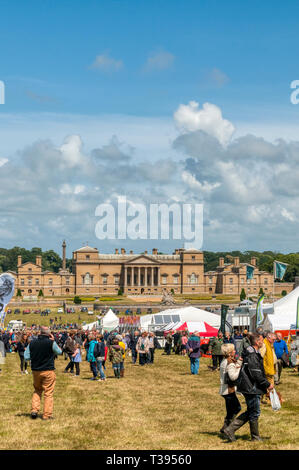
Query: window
105	279
266	280
175	279
67	281
193	258
242	280
116	279
210	279
87	257
30	269
22	282
254	280
36	282
231	280
50	282
29	281
87	279
193	279
164	280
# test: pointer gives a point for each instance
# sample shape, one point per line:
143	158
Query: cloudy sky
180	101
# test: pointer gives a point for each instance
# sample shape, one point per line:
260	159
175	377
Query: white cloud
106	63
190	118
161	60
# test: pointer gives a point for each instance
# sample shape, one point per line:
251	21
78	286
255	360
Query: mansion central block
94	273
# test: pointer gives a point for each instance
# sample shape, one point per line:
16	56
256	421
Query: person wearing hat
122	363
41	352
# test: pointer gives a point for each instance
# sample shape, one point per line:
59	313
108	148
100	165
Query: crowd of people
249	363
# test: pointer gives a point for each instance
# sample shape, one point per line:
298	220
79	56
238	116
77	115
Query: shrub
261	291
19	293
120	292
77	300
283	293
40	294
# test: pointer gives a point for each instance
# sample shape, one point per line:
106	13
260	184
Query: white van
16	325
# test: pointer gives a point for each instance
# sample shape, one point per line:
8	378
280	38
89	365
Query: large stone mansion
94	273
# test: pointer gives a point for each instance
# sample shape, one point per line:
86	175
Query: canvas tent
183	314
110	321
284	316
90	326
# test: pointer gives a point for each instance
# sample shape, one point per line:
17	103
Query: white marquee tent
110	321
183	314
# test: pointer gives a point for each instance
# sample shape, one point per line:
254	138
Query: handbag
275	402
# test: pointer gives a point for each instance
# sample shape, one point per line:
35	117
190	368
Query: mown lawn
154	407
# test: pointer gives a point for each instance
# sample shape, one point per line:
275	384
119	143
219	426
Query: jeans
93	368
142	358
279	366
100	369
253	406
134	356
23	362
71	363
116	366
232	405
151	355
194	365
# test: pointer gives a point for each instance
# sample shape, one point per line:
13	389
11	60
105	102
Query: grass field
155	407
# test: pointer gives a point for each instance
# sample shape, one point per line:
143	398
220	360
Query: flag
249	272
297	316
224	309
259	311
7	287
279	269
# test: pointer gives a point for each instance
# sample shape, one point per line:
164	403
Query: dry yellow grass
160	406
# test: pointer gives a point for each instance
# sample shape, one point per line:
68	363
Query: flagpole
273	282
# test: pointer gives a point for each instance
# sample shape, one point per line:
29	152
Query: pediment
142	259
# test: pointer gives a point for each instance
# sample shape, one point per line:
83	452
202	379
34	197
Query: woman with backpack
99	354
229	372
90	356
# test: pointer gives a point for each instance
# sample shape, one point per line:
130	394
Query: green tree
77	300
243	294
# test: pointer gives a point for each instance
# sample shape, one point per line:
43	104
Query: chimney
63	255
116	251
176	251
221	262
253	261
236	261
145	252
155	251
38	260
123	251
131	252
19	261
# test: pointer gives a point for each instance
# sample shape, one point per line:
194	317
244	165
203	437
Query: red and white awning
202	327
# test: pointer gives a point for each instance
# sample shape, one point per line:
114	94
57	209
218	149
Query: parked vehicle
90	312
9	310
26	311
17	311
37	310
84	309
60	310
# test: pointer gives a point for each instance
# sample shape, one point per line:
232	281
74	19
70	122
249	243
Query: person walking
168	343
193	349
282	354
41	352
99	353
268	354
229	372
252	383
122	362
245	343
21	346
133	344
153	344
215	349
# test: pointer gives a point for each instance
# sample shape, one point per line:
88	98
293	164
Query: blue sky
113	76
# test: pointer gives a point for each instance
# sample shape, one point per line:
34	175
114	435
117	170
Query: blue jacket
90	356
280	347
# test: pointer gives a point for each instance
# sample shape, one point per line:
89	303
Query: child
76	358
116	356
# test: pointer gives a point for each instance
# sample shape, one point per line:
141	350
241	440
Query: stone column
158	276
139	269
126	276
145	276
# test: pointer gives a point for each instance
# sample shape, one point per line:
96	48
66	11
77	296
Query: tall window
105	279
164	279
50	282
193	279
87	279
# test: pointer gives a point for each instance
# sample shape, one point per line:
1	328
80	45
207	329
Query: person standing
252	383
133	344
116	356
193	349
268	354
122	344
69	348
142	348
153	344
229	372
90	356
168	343
215	349
281	351
245	343
76	358
41	352
99	353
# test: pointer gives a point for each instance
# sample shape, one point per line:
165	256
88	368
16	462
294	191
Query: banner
7	287
249	272
259	311
224	309
279	269
297	316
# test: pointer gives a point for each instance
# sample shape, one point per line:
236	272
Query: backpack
96	350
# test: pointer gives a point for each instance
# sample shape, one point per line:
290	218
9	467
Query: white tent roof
188	314
110	321
285	311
